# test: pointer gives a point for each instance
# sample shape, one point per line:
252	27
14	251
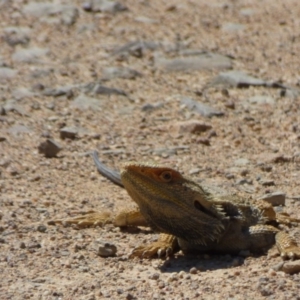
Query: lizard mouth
203	209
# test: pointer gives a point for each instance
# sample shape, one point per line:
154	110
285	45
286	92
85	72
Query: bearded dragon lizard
188	217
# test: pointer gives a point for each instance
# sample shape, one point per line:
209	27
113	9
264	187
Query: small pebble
129	297
193	270
267	182
291	267
181	274
68	133
34	178
266	168
42	228
161	284
106	249
49	148
84	269
244	172
230	104
203	141
229	176
276	198
172	277
191	126
154	276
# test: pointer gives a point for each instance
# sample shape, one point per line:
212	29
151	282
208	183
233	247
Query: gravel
115	76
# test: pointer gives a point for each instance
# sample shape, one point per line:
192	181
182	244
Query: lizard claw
142	252
152	250
169	252
164	252
287	246
162	248
292	253
146	254
161	253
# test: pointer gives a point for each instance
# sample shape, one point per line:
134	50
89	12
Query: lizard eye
166	176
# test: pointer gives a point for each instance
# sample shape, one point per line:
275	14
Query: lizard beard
197	227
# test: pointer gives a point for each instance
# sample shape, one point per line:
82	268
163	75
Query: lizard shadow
135	230
184	262
200	262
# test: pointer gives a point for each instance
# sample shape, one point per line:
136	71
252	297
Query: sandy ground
140	80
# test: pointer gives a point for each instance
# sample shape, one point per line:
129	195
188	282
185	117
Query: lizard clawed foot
287	246
292	253
152	250
88	220
162	248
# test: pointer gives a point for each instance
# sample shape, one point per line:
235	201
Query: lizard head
172	203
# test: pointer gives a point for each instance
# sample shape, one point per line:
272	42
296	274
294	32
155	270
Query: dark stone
276	198
60	91
104	6
68	133
136	48
42	228
241	79
120	72
204	61
103	90
106	249
49	148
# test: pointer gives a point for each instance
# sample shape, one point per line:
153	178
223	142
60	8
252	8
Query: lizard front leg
126	217
163	247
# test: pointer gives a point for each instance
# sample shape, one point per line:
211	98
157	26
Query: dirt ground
160	81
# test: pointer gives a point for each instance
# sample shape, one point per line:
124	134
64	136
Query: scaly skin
189	217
